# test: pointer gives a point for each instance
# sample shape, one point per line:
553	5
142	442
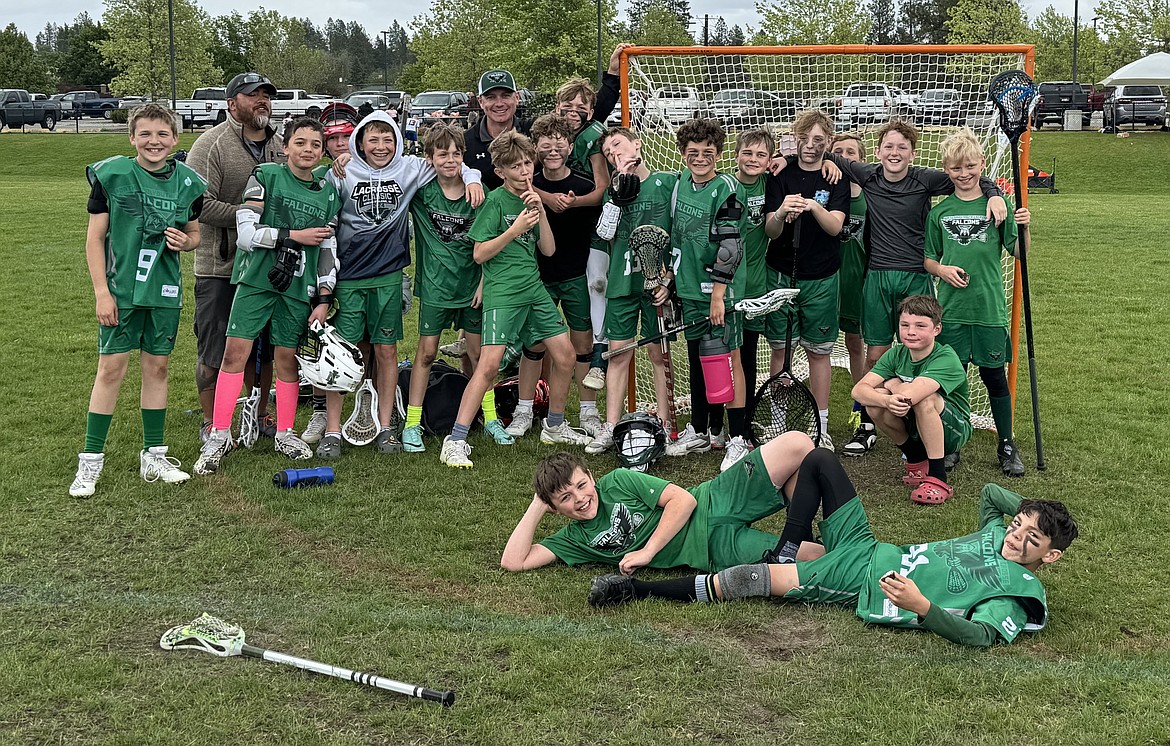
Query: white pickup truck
206	107
866	102
295	102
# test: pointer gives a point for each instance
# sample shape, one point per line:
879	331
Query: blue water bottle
315	477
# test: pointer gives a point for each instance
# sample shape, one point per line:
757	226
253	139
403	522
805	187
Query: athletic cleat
1009	459
412	439
456	349
688	442
329	446
204	433
862	442
951	460
591	423
718	440
218	444
563	434
737	448
611	590
495	428
154	464
288	443
521	423
594	379
89	468
362	426
386	442
826	443
315	430
455	453
267	426
602	442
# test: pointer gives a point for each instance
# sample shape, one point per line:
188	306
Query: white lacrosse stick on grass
224	639
250	418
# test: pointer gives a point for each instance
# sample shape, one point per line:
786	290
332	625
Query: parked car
1054	98
1135	104
866	102
1095	97
904	103
18	109
38	97
296	102
940	106
745	108
90	104
675	105
448	102
206	107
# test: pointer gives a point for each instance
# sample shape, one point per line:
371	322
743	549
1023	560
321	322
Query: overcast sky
379	14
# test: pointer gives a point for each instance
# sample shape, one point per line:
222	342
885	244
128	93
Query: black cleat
1009	459
862	442
611	590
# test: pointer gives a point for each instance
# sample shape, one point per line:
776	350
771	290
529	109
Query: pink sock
287	393
227	390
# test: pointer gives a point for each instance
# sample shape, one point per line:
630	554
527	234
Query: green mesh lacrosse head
1013	93
207	633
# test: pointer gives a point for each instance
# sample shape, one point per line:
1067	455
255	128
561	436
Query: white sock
588	407
823	414
524	405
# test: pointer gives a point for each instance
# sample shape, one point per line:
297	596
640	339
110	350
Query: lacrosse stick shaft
668	371
1040	465
446	698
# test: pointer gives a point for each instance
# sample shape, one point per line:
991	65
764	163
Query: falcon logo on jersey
620	535
526	239
756	210
965	229
450	228
853	228
377	201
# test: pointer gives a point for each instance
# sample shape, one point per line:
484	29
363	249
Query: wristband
324	300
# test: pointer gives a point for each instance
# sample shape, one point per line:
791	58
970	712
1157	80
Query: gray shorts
213	304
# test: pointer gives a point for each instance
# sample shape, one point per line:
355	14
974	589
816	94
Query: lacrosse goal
860	88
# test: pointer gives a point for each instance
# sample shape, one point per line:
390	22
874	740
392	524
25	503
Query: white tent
1152	70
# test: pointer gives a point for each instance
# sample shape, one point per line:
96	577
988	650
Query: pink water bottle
715	356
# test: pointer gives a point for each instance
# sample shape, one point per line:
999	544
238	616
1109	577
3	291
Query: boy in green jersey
707	250
517	310
285	270
449	284
626	298
976	590
142	212
917	395
963	249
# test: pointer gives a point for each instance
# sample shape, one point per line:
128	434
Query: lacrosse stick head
1013	92
650	244
207	633
767	303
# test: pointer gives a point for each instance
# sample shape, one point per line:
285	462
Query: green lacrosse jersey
652	207
753	270
627	515
941	366
586	144
291	204
853	246
695	210
140	269
446	274
511	277
959	233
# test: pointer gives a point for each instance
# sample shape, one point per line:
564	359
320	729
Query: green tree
1052	33
138	47
788	22
278	47
80	64
20	65
659	26
229	52
924	21
1134	28
884	22
987	22
636	11
736	37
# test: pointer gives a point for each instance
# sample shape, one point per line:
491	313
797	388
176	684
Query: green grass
395	568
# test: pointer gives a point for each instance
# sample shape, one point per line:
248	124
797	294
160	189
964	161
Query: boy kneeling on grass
976	590
142	212
917	395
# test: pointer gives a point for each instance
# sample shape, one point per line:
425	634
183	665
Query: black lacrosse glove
623	189
288	257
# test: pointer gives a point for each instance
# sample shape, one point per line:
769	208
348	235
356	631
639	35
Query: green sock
413	415
97	427
154	426
489	406
1001	412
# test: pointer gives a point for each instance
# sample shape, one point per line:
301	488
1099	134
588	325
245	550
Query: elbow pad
251	235
727	259
327	266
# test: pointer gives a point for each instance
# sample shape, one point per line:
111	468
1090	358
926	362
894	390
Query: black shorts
213	305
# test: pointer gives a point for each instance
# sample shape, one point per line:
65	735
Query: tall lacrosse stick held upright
650	244
1013	92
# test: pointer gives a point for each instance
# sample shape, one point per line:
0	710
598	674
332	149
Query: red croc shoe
915	472
931	492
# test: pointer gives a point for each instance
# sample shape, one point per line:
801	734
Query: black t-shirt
476	154
819	254
572	229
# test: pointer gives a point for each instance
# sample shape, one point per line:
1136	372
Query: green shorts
957	428
986	346
370	309
840	575
432	320
884	290
621	316
573	296
151	330
732	329
815	308
738	497
852	274
524	325
255	308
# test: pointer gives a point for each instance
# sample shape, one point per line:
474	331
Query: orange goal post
747	87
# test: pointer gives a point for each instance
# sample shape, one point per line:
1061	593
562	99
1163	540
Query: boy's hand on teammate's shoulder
311	236
635	561
952	275
176	239
778	163
903	593
831	172
107	310
339	165
1023	216
474	195
997	209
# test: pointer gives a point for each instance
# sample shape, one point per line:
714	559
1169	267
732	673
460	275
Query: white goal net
938	88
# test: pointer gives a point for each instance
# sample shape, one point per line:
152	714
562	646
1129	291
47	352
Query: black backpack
441	401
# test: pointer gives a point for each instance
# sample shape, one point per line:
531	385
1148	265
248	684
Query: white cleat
737	448
455	453
521	424
217	445
289	444
154	465
89	468
688	442
602	442
315	430
563	434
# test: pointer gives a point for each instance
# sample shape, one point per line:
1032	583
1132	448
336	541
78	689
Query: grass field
396	567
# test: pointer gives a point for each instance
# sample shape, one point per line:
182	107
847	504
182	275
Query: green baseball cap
496	79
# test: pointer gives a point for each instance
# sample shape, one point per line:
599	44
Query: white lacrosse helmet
328	361
639	441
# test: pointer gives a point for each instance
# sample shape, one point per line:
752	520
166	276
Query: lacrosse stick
362	426
650	243
214	635
250	412
751	308
1013	92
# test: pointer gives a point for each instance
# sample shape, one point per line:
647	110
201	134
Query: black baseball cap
249	83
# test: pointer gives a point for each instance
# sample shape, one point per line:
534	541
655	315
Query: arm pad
725	231
250	234
327	266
